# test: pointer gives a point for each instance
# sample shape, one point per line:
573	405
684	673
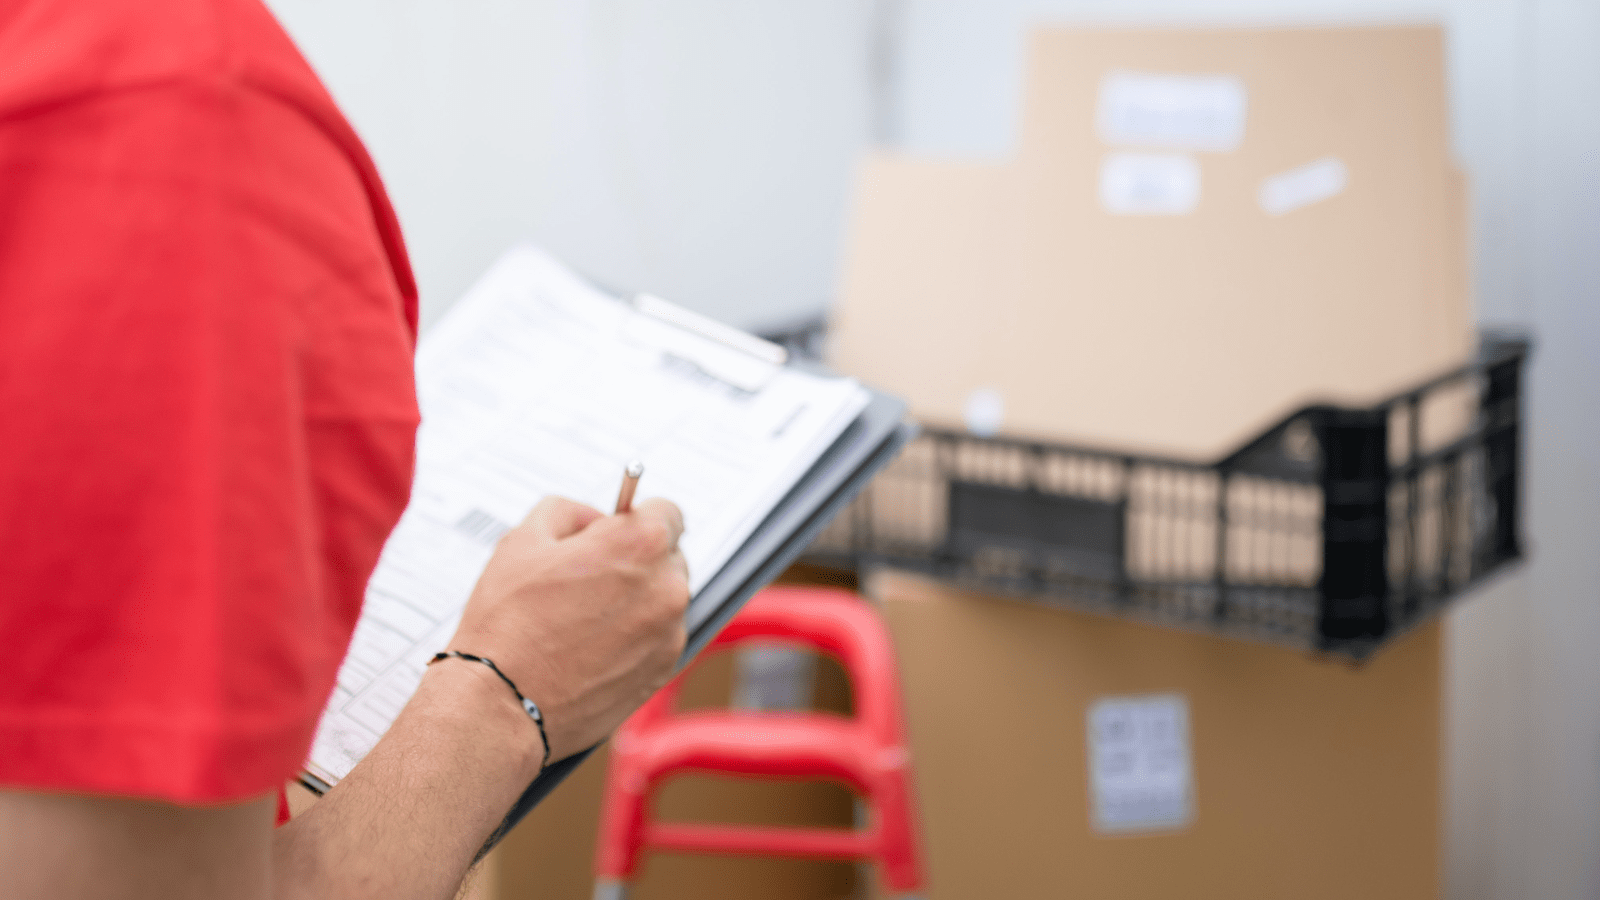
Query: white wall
702	149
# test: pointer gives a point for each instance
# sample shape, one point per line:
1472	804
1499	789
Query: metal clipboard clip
703	347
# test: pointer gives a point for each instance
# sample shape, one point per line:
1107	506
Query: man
206	326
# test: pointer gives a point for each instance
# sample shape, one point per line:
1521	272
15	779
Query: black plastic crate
1335	530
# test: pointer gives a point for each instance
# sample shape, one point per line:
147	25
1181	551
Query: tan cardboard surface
1182	334
934	254
1312	779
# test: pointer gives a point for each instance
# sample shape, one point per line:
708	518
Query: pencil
630	483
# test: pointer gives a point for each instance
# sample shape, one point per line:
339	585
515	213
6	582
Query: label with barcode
1140	775
481	527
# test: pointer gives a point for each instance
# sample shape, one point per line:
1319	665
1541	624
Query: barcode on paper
482	527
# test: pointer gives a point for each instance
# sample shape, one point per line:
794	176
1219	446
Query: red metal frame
867	752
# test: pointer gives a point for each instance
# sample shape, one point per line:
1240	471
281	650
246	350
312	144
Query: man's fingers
647	532
557	518
668	514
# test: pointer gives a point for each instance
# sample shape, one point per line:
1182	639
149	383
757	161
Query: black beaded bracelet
528	706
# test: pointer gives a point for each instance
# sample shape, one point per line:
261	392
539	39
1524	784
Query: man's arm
408	821
585	612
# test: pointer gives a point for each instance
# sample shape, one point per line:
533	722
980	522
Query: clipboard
861	440
867	445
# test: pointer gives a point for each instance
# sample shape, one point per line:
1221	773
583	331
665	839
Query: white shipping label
1311	183
985	412
1140	776
1149	184
1188	112
773	677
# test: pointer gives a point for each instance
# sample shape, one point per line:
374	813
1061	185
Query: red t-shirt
206	405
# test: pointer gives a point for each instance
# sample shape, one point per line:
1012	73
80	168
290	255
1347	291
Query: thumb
557	518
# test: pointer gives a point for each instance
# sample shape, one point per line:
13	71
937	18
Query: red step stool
868	752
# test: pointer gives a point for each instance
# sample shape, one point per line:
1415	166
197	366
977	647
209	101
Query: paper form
535	384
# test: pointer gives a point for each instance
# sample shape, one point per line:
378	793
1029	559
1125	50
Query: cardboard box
1307	778
1178	333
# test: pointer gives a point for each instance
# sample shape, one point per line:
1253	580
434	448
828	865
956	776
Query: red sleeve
207	422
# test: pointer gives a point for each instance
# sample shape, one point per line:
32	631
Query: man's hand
584	612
